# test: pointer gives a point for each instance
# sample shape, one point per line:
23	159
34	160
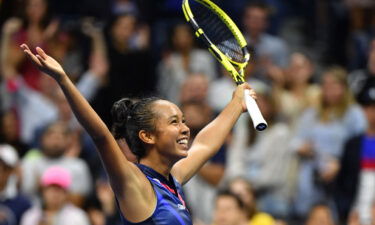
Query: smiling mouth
183	142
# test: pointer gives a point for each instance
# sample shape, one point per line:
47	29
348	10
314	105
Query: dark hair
131	116
228	193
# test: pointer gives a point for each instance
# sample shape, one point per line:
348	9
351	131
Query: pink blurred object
56	176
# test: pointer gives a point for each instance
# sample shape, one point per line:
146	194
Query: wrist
62	78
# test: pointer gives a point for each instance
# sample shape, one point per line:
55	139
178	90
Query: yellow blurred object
262	219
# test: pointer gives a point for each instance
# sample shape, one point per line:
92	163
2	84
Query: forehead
165	109
226	201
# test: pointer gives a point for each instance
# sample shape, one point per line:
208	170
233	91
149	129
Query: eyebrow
176	117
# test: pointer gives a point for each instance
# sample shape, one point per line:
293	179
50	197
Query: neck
299	88
158	164
55	208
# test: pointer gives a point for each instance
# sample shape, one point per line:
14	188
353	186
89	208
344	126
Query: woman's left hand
239	94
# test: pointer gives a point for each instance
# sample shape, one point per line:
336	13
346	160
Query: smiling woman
149	191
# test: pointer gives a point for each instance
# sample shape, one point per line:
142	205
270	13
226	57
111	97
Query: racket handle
255	114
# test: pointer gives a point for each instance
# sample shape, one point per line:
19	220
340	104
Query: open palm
44	62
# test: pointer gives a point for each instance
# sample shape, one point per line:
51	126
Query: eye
183	120
174	121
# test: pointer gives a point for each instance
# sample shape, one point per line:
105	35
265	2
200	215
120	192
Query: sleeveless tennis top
170	207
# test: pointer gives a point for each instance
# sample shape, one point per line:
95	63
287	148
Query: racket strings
217	31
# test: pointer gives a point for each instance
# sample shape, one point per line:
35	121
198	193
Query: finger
30	55
253	94
41	60
25	47
41	53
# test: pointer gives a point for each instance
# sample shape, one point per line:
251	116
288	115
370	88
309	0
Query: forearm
83	111
113	160
6	66
213	136
212	173
207	142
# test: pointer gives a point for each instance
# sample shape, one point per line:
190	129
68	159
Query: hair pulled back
131	116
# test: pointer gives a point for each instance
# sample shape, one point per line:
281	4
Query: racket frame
230	65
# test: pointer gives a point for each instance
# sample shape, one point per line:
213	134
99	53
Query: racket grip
255	114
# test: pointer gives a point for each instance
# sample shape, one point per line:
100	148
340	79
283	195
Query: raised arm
212	137
8	58
126	179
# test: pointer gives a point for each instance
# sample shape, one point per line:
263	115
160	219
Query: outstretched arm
126	179
212	137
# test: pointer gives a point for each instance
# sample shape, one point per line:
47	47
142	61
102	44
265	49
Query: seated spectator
200	191
9	132
254	155
194	89
184	59
55	207
320	136
229	209
54	143
244	190
270	52
12	204
294	91
355	191
101	208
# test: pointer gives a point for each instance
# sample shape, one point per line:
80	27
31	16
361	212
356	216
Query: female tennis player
148	192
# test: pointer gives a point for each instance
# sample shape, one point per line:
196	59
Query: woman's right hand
44	62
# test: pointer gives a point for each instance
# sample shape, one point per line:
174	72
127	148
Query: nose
185	129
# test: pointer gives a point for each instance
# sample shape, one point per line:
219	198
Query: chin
181	155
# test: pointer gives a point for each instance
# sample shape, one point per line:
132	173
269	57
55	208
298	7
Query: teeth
183	141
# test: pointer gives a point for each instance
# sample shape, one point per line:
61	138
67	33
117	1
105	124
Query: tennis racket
226	42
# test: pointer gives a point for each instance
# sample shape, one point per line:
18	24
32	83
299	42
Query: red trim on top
368	164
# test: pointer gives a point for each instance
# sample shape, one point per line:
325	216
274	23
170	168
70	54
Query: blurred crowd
312	66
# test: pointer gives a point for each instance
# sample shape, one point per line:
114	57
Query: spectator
270	52
194	89
12	204
355	181
35	28
55	208
220	89
253	155
124	6
184	59
295	92
201	190
54	143
358	78
101	208
320	136
37	108
243	188
9	132
320	214
131	70
229	210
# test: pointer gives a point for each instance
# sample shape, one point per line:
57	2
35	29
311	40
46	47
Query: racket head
220	34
